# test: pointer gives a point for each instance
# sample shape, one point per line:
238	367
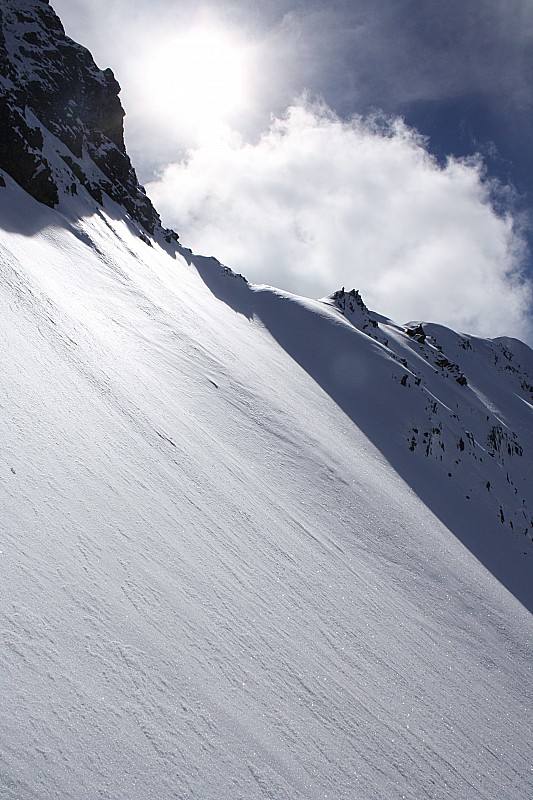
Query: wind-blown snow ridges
217	580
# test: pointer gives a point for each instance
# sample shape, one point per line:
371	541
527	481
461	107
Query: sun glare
201	75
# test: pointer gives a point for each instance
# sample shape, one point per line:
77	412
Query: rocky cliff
61	120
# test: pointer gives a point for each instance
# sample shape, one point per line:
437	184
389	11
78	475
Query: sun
199	76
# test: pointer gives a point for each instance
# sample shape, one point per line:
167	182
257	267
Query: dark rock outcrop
417	333
61	120
352	306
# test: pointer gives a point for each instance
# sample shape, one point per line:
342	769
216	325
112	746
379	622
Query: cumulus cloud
319	202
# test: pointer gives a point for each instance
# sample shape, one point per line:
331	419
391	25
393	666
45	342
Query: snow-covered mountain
252	545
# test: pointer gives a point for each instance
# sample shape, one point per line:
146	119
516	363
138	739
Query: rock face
61	120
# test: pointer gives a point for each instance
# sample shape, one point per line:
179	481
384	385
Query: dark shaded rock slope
61	120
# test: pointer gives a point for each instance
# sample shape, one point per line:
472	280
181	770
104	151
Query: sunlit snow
226	572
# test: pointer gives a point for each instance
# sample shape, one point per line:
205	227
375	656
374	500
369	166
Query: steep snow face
244	553
61	122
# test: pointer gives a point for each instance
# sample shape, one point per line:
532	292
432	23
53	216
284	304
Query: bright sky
250	127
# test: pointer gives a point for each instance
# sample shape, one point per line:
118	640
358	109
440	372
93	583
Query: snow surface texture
252	546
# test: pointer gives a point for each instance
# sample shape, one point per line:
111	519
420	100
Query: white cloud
319	202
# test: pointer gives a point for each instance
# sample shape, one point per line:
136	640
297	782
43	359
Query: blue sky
307	144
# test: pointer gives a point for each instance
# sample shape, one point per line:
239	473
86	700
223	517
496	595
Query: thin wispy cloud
459	48
385	54
319	202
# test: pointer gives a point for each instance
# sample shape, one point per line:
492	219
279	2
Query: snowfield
244	554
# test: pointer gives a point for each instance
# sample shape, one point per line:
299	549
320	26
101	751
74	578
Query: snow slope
226	572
